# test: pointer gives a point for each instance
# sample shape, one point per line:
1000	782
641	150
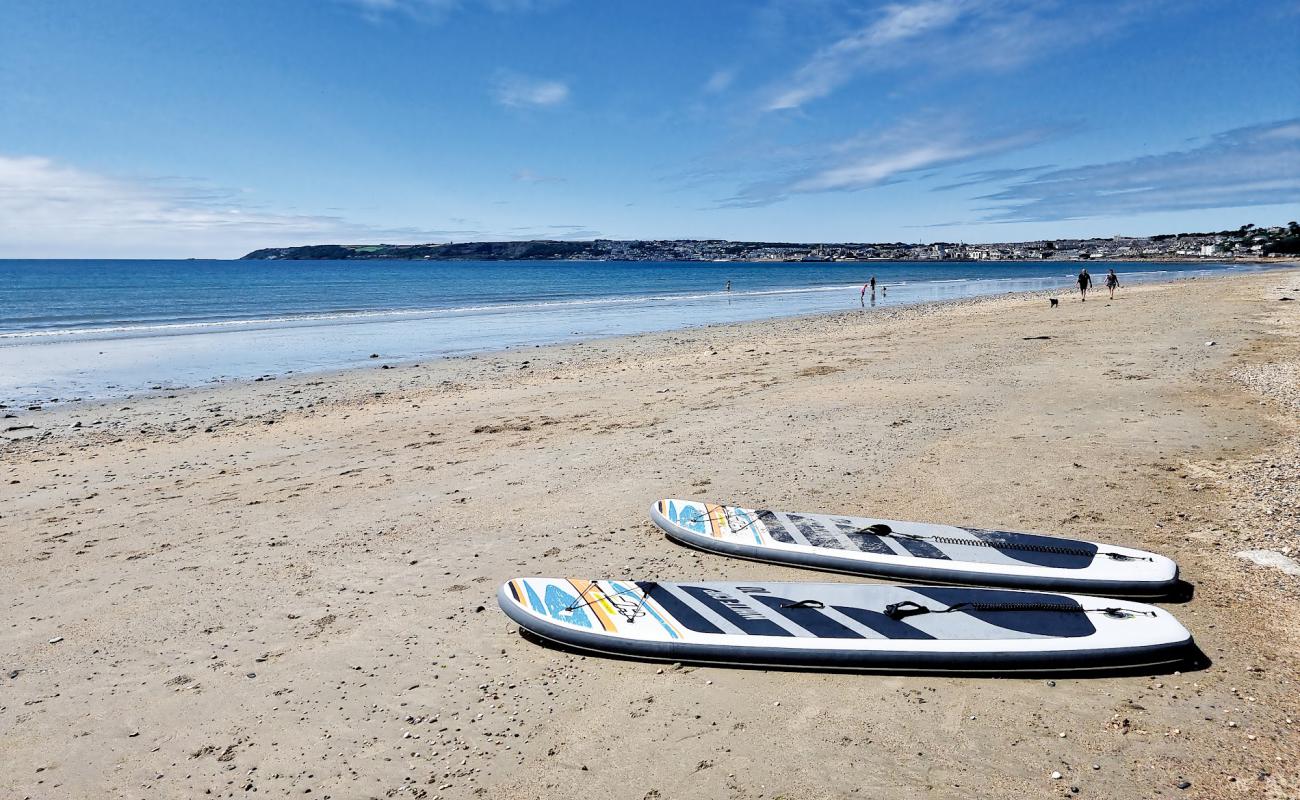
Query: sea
86	329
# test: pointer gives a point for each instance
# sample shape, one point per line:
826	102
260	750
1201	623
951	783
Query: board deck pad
918	551
845	626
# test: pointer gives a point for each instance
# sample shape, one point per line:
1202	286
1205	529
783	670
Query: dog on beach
1054	302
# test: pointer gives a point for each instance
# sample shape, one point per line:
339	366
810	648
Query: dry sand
286	587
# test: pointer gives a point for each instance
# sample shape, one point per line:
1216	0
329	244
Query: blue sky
177	129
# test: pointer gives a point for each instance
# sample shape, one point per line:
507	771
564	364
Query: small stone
1096	766
1062	734
1184	784
251	675
1056	776
56	640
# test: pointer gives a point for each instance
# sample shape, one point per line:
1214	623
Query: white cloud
878	159
720	81
527	175
876	169
1251	166
437	10
953	36
54	210
513	90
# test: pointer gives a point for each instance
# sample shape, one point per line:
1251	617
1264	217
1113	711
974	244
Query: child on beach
1085	282
871	284
1112	283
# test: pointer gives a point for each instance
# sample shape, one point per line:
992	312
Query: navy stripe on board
1082	555
1065	624
736	611
921	548
774	527
866	542
881	624
681	612
815	534
810	619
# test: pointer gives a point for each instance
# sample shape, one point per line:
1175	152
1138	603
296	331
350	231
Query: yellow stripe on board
717	520
595	600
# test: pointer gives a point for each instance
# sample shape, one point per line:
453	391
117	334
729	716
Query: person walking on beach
1085	283
1112	283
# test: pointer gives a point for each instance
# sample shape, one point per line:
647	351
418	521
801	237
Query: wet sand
286	587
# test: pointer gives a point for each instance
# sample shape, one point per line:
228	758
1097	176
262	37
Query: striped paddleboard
846	626
917	551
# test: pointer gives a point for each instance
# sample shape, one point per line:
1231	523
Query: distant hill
1248	241
475	251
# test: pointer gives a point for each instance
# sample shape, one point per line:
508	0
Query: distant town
1246	242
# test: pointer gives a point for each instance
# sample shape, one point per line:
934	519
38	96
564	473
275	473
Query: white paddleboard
917	551
847	626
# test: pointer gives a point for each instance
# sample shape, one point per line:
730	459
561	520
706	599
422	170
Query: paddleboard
916	551
868	627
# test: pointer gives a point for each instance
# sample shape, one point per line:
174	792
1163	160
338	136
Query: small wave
163	328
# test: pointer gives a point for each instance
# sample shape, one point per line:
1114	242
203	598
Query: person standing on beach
1085	283
728	287
873	284
1112	283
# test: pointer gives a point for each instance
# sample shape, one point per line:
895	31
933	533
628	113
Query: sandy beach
286	587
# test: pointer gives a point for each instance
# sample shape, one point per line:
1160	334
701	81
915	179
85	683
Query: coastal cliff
1247	241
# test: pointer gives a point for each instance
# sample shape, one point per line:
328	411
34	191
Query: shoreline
58	393
288	585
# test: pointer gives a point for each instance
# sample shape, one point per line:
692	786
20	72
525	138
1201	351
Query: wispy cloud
513	90
836	63
991	176
437	10
552	232
1251	166
51	209
955	36
527	175
901	153
720	80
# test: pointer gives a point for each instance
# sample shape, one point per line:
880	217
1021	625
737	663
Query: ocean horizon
98	329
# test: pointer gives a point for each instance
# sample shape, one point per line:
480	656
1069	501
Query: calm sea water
91	329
